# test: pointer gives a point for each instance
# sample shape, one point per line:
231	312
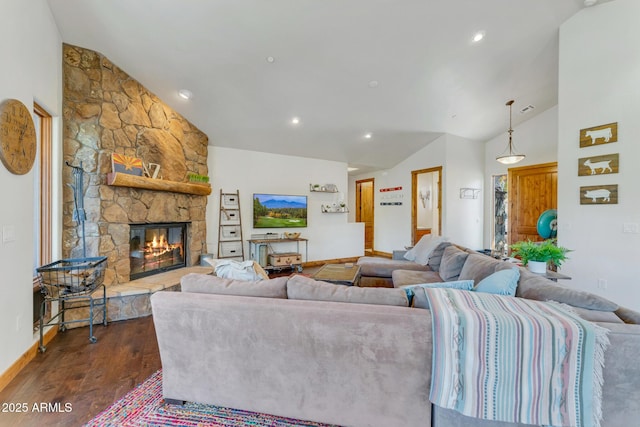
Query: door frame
359	207
414	199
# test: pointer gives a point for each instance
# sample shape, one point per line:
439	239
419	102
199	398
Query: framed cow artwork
603	134
598	165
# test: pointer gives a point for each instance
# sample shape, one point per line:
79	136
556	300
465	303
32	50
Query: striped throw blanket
515	360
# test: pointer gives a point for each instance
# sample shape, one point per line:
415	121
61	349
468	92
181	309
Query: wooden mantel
125	180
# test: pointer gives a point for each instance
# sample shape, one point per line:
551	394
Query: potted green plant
537	256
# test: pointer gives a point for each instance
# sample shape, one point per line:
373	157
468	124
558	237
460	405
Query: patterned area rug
144	407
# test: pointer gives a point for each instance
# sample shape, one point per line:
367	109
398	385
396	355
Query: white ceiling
431	78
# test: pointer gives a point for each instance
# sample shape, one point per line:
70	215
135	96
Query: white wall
537	138
330	235
31	48
462	162
599	83
464	169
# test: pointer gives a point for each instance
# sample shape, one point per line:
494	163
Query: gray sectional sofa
295	347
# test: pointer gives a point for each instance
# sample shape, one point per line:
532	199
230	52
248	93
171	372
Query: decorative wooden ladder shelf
230	243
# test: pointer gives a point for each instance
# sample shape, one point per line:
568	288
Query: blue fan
547	225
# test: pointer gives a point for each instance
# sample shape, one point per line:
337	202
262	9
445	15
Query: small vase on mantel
537	267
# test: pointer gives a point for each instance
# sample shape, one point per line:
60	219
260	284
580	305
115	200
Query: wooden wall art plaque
18	143
598	165
599	195
603	134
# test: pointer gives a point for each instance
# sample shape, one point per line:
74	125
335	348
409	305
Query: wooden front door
364	210
532	190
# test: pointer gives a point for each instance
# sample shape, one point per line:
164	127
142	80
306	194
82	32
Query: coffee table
340	274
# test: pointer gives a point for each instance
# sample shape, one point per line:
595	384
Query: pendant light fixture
510	157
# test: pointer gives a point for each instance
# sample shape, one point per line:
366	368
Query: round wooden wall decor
17	137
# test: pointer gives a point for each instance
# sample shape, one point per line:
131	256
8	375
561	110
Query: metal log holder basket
73	280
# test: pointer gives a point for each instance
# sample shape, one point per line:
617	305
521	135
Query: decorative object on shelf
194	177
334	208
291	234
597	135
599	195
151	170
18	144
327	188
511	157
546	252
126	164
469	193
598	165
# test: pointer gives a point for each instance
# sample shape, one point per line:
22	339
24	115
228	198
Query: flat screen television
279	211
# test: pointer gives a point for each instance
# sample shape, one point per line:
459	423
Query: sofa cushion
478	266
532	286
383	267
597	315
420	299
207	284
422	250
410	277
503	282
303	288
452	262
436	256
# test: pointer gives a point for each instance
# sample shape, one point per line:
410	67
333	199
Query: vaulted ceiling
404	71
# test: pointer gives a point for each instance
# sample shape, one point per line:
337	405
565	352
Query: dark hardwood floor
76	380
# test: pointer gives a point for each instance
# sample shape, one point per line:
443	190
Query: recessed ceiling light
185	94
295	120
478	36
368	135
271	59
373	83
351	169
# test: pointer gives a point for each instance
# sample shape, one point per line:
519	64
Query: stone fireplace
106	111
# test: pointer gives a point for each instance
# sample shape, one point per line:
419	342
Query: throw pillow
422	250
436	256
419	297
503	282
452	261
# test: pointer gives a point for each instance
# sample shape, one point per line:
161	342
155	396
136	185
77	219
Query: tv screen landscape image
279	211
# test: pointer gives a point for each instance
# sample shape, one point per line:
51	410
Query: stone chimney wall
106	111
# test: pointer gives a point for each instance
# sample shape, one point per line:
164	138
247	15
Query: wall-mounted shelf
327	188
125	180
333	209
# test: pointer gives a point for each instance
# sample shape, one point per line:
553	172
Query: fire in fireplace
155	248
